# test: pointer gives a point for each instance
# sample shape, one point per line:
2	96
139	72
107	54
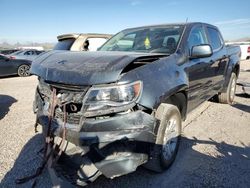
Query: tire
228	96
165	149
23	70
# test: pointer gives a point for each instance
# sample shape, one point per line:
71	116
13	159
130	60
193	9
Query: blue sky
42	21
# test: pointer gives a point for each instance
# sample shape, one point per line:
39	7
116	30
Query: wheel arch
233	67
179	99
236	69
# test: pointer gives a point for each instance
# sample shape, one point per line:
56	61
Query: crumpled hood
83	68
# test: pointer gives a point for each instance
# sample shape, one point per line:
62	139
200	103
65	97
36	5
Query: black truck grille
70	95
71	118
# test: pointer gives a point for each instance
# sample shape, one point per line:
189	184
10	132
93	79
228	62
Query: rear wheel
168	138
228	96
23	70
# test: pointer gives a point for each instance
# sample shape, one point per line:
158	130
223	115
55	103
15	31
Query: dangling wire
48	140
62	143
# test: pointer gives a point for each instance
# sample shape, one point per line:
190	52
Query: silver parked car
26	54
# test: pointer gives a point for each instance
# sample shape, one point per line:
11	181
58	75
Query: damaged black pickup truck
110	111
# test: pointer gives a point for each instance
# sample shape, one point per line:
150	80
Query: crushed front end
107	131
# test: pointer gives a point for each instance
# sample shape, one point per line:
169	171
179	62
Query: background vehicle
26	54
76	42
123	106
244	47
9	51
245	51
10	66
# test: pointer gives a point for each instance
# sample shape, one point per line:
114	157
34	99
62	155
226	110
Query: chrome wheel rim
24	70
170	138
233	87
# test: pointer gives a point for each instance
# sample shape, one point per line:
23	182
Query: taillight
12	57
248	49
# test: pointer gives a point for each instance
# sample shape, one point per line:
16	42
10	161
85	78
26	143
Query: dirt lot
214	152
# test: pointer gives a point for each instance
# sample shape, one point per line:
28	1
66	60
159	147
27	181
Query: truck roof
76	35
171	24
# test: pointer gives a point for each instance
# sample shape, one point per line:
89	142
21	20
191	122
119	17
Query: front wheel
23	70
228	96
168	138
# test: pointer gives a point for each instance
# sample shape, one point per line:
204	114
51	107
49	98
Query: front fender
161	79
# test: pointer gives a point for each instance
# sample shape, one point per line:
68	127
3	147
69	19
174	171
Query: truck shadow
242	107
9	76
220	164
192	168
243	95
5	103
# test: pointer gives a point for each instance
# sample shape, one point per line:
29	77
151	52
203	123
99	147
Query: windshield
64	44
16	53
162	39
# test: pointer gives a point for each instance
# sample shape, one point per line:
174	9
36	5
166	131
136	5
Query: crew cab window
215	39
196	37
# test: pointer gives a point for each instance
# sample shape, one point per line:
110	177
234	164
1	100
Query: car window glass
28	53
95	43
16	53
64	44
215	39
196	37
167	38
126	42
162	39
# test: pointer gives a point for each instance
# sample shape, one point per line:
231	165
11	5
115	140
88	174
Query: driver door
200	70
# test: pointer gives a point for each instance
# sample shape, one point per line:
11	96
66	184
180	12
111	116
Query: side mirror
201	51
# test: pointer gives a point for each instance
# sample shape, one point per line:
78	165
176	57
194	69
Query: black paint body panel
199	79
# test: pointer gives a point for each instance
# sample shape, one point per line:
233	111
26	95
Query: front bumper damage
112	145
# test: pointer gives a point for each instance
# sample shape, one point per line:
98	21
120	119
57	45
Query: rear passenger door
220	58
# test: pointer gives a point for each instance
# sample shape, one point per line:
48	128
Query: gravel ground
214	151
